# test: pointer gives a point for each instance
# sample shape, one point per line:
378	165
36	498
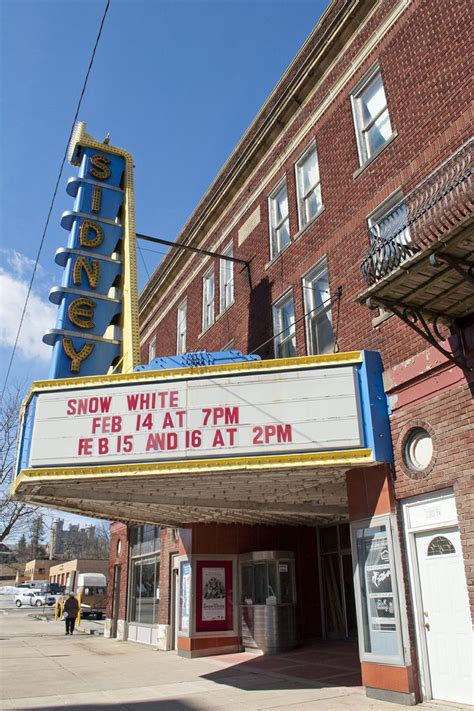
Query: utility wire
78	108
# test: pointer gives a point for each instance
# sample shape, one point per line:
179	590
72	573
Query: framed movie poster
214	611
184	596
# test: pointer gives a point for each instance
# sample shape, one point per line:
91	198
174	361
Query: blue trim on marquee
374	407
25	436
197	358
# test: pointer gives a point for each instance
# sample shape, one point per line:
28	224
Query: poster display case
376	591
214	595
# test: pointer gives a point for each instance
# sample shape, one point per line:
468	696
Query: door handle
426	625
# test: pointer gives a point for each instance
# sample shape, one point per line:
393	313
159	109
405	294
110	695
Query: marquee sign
303	405
97	325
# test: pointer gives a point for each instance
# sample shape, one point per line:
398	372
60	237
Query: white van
92	587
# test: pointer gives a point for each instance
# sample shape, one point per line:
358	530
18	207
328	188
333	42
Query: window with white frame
317	307
152	349
279	220
308	186
284	327
181	328
226	279
371	117
208	300
390	235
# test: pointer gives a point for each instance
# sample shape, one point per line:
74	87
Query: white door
446	616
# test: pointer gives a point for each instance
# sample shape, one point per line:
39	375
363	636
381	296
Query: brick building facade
365	136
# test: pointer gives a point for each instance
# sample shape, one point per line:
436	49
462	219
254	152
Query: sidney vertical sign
97	261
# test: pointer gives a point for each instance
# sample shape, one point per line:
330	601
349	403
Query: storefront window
145	597
144	539
379	618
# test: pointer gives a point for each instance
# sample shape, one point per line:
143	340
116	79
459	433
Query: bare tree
12	513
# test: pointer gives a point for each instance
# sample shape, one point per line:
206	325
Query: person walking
70	612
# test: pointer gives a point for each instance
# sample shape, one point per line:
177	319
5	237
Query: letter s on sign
100	167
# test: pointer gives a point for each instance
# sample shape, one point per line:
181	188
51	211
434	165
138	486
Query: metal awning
305	496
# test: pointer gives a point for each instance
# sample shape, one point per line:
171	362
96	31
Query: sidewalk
43	669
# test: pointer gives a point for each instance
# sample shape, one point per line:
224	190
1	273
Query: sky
175	82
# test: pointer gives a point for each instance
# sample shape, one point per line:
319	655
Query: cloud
39	317
21	265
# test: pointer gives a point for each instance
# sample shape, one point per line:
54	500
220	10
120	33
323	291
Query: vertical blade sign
89	334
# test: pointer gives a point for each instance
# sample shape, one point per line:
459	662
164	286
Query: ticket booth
268	600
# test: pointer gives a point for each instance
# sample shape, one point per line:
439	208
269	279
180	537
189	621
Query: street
9	609
43	669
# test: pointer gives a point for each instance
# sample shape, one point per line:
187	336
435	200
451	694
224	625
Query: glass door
337	585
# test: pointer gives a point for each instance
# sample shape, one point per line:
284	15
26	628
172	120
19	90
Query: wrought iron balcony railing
434	208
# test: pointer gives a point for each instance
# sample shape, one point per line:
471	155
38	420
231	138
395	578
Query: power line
78	108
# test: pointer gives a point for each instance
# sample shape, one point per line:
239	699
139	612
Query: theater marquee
304	405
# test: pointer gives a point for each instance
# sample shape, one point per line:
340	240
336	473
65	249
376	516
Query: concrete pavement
43	669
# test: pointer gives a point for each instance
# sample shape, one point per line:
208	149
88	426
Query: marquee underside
288	496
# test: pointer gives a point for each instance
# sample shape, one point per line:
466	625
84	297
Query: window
152	349
145	598
308	187
181	328
208	300
144	539
390	236
279	220
317	306
371	119
284	327
376	591
268	582
226	279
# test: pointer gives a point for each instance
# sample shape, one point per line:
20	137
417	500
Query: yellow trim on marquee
343	458
156	376
130	329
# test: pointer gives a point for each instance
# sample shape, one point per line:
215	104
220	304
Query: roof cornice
340	20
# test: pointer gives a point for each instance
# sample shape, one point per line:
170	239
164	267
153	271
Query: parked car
53	588
34	598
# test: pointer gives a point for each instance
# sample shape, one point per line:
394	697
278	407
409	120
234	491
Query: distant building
38	569
6	554
66	573
69	542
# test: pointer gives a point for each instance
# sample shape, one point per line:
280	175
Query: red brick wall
449	417
168	548
424	61
118	556
425	95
